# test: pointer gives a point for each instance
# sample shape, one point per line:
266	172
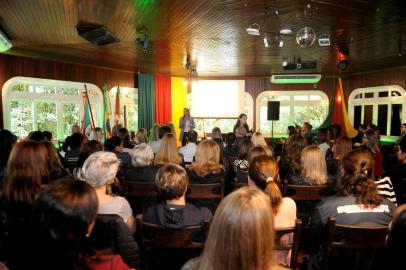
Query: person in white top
186	124
99	170
189	151
263	173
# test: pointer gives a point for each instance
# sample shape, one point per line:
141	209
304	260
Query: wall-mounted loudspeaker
273	110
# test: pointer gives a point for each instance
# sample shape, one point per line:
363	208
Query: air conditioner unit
295	78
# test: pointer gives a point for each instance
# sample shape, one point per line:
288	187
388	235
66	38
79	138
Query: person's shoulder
288	201
191	264
204	211
107	262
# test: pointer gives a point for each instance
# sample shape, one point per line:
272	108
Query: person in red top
371	141
63	218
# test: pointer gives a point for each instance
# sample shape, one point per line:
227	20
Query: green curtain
146	101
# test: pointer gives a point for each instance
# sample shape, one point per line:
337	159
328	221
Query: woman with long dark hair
357	201
63	219
27	173
241	128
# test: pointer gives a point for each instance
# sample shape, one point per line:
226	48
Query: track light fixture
266	40
253	29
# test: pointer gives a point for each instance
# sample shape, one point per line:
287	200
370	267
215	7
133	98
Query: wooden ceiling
212	32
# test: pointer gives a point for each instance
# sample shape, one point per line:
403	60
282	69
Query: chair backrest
206	191
294	245
305	192
141	195
155	236
141	189
354	238
236	184
111	233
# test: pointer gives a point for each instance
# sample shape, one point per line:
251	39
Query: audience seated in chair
143	170
171	182
231	148
189	150
27	173
241	235
86	150
259	140
161	133
206	168
313	173
99	170
240	166
115	145
73	143
264	174
289	164
168	151
111	233
395	243
398	173
63	219
357	201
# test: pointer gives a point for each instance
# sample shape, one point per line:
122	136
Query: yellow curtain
179	101
351	131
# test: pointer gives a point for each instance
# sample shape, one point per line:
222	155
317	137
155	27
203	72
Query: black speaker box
273	110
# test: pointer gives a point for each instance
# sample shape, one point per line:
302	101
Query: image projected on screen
217	99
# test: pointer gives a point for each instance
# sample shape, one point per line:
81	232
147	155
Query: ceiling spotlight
266	40
280	43
253	29
284	61
285	31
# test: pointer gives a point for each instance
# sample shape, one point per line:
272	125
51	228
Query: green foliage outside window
46	117
21	118
70	117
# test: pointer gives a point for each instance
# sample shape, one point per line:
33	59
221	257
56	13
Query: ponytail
356	171
264	172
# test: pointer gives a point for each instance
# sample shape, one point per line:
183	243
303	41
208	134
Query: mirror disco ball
305	37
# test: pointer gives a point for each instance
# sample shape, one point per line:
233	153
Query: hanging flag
87	122
107	112
338	113
117	115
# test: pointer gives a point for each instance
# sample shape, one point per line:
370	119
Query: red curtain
163	109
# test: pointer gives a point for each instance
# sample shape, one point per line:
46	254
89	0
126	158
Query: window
296	107
205	125
382	106
31	104
129	107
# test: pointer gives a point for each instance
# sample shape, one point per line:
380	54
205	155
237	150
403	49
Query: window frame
375	101
8	95
291	103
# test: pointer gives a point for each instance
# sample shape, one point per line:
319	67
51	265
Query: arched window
31	104
129	107
296	107
381	105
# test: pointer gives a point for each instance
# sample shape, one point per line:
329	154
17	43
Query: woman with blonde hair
167	151
256	152
259	140
342	145
264	174
141	136
241	235
313	167
206	168
313	172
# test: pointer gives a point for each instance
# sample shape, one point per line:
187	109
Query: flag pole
90	107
